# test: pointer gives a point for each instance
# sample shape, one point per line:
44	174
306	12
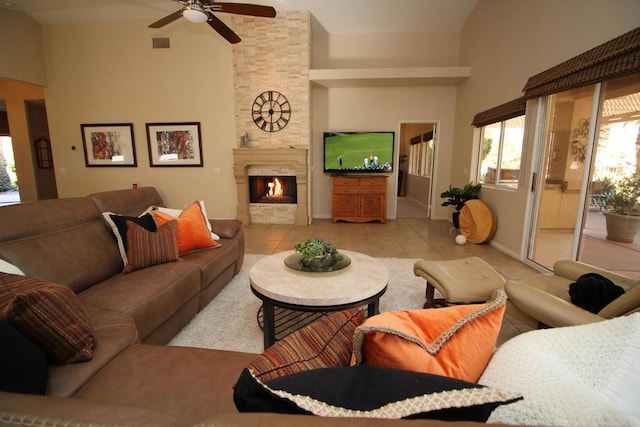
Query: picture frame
174	144
108	144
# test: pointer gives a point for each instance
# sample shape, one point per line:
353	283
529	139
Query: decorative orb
460	239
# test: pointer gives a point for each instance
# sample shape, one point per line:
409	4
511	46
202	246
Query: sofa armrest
572	270
226	228
24	409
547	308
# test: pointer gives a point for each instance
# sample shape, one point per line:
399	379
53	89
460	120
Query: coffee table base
269	312
288	321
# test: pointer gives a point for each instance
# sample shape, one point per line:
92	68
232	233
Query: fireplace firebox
273	189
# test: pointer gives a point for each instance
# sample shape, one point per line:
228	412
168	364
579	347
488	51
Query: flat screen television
358	152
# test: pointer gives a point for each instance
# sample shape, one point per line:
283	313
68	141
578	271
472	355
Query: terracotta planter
622	228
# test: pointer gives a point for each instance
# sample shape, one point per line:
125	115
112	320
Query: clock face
271	111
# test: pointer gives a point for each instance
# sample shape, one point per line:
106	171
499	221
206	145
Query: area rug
229	321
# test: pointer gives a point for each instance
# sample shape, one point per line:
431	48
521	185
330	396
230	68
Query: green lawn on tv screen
356	149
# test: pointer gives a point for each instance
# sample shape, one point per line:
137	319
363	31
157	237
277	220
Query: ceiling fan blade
222	29
244	9
167	19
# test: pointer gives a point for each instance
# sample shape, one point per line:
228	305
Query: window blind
616	58
505	111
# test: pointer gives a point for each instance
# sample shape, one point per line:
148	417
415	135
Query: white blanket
586	375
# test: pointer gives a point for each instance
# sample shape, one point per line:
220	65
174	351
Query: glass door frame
540	153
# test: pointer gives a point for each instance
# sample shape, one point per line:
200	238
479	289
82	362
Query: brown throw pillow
146	248
48	314
326	343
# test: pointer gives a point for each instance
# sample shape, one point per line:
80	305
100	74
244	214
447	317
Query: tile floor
401	238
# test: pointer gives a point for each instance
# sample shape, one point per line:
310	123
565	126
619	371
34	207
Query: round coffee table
362	282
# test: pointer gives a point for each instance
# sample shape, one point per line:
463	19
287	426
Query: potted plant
457	197
623	216
316	253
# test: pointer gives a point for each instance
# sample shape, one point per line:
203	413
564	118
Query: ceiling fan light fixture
194	13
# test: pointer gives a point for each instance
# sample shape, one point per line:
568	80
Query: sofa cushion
115	332
146	248
192	229
455	341
151	296
118	225
327	342
373	392
213	261
69	233
190	384
126	202
50	315
23	366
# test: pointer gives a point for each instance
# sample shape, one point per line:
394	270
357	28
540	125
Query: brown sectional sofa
132	379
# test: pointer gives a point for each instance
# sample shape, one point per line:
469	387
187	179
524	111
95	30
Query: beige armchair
545	297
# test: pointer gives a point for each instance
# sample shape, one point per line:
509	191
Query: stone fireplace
271	185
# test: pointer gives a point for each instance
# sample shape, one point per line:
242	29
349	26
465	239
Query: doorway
592	139
417	147
9	192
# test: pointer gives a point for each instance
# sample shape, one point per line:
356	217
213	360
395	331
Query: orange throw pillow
193	232
455	341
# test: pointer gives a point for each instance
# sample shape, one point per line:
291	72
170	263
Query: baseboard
505	250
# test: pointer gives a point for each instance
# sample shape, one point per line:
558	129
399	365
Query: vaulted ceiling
335	16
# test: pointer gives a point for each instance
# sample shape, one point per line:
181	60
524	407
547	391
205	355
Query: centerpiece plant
317	253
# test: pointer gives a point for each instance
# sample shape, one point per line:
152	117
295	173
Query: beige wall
411	49
21	56
379	109
109	73
506	42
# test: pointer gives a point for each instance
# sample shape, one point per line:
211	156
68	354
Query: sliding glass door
591	138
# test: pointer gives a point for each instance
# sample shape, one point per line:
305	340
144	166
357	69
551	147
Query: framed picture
108	144
174	144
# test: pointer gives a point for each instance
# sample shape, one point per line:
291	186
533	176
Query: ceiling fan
199	11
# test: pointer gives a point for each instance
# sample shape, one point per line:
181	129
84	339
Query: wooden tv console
359	198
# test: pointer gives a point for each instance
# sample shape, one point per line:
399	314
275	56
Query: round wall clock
271	111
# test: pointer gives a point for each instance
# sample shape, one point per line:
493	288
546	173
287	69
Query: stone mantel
294	158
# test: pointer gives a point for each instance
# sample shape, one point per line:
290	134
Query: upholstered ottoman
459	281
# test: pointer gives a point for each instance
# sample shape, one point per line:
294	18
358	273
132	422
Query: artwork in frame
110	144
174	144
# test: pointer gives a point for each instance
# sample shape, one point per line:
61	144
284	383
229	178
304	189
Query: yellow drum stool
459	281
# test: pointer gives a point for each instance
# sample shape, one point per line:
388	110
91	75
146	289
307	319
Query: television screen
364	152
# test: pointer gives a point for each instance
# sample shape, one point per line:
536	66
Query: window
421	154
501	143
500	152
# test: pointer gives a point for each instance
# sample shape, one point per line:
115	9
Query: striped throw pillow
48	314
325	343
146	248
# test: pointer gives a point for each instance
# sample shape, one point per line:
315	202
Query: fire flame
275	188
